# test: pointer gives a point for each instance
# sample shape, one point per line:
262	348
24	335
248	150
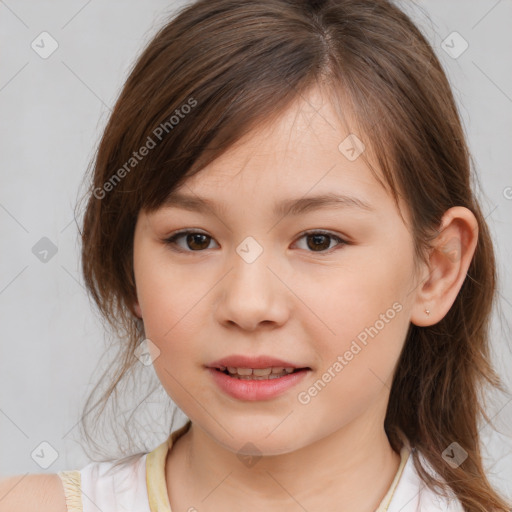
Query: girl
281	220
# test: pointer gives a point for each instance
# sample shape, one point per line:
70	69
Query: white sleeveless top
139	485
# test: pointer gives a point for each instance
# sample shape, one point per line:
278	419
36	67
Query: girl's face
250	283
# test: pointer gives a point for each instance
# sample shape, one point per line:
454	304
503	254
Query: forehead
306	151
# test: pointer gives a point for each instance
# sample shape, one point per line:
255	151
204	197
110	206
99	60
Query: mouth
270	373
264	383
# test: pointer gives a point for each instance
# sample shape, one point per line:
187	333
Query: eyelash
171	240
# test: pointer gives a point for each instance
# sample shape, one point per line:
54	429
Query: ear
448	265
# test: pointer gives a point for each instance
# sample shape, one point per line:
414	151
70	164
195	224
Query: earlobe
137	310
450	258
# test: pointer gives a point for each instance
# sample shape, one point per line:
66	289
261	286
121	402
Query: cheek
357	364
168	294
170	302
171	322
365	316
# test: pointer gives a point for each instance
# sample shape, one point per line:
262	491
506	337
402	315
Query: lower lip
255	389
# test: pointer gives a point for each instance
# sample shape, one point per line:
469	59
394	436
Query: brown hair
223	67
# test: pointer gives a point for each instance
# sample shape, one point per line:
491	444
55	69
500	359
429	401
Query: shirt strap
404	456
155	472
71	480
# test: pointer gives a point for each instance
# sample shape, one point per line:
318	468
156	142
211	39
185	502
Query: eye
196	241
319	241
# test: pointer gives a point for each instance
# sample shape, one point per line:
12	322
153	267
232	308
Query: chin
248	437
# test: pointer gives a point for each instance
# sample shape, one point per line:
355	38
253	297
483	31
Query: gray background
52	114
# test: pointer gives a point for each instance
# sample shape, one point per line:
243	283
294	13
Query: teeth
258	373
261	372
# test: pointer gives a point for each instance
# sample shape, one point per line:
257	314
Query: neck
333	472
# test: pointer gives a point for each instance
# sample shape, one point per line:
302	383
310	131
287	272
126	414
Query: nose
252	294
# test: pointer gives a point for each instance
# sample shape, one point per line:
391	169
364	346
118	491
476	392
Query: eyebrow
286	207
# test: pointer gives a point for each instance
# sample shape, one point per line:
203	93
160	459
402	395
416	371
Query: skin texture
297	302
26	493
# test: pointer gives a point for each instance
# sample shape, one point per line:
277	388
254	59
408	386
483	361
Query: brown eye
318	241
194	241
198	241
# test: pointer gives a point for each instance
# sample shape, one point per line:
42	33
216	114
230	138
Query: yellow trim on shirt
71	480
157	486
155	472
404	455
156	478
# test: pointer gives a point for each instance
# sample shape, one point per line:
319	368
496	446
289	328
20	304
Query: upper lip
263	361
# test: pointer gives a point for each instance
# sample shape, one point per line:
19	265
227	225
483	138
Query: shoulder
26	493
116	485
